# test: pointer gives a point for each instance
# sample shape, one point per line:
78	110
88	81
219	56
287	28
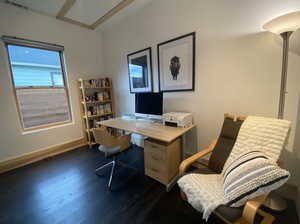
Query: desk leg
170	185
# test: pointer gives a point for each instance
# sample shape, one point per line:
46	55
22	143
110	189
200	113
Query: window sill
40	129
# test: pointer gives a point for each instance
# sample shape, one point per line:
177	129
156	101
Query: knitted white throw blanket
205	192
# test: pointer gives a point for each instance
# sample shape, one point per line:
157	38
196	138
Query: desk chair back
103	137
111	146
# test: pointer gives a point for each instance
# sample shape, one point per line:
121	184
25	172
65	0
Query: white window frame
13	41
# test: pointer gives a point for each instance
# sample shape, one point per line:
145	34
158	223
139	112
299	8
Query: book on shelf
99	109
98	97
94	123
96	83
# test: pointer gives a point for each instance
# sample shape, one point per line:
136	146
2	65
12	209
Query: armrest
251	208
185	164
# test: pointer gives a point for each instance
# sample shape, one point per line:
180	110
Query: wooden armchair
220	150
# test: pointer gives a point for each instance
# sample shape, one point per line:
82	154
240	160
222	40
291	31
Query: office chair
111	146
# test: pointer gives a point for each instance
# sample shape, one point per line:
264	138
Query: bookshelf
96	100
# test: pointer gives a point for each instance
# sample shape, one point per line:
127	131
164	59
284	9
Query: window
38	78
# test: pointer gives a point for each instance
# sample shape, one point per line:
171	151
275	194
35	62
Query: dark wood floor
65	189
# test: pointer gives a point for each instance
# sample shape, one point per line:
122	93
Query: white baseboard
31	157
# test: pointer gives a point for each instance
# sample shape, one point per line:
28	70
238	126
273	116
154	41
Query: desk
147	128
163	149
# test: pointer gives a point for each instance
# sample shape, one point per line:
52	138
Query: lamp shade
285	23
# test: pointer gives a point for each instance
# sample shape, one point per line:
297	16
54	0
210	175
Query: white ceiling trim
61	15
66	7
111	13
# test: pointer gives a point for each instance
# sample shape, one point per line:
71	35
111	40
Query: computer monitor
149	103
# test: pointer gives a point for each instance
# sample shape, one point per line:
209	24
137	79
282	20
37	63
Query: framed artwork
176	64
140	71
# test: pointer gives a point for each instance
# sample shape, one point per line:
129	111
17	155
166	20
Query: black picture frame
193	35
149	70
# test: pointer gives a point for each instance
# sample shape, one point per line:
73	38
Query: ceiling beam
110	13
76	23
69	3
64	10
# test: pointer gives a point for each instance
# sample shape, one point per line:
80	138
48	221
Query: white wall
237	64
83	53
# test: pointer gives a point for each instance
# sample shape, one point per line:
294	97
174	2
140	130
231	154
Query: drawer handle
155	158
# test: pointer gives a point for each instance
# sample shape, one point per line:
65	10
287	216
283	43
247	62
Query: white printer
178	119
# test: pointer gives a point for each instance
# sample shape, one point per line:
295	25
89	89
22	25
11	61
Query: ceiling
91	14
99	14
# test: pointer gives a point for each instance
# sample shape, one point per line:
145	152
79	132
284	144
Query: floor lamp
284	26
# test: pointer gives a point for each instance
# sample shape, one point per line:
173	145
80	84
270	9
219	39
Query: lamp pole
285	55
284	25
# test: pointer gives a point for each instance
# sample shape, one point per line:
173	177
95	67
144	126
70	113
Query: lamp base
276	203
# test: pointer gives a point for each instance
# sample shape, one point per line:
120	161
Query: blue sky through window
35	67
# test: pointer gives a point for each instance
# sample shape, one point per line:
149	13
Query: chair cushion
203	170
109	151
251	175
229	213
224	144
